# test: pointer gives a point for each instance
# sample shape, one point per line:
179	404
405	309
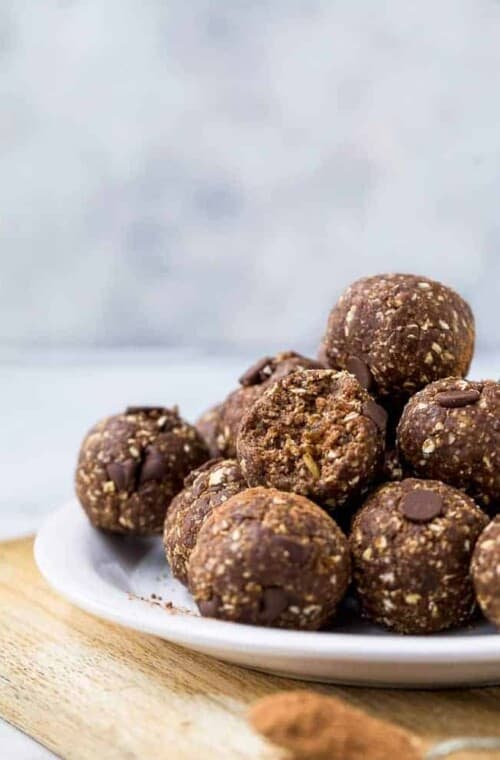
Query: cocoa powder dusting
318	727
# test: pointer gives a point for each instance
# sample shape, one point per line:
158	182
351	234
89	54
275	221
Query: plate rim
445	649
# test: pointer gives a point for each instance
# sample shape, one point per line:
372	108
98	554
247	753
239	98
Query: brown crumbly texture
457	444
486	571
405	330
411	575
208	426
226	418
270	558
205	489
318	727
316	433
131	465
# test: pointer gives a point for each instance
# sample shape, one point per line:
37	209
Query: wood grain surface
88	689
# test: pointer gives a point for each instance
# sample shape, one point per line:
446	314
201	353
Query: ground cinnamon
318	727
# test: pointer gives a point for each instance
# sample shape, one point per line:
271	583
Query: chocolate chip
376	414
273	602
421	505
258	372
123	474
456	399
360	370
297	552
143	409
209	607
154	466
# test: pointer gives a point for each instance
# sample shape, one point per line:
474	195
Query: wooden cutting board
89	689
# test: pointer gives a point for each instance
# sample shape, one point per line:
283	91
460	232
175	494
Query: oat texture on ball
270	558
486	571
451	431
220	425
131	465
205	489
392	467
399	332
411	544
317	433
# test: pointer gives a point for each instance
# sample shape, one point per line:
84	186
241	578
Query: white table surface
50	400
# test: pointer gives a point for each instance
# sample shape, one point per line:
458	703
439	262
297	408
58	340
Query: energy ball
411	546
451	431
270	558
486	571
317	433
204	489
399	332
226	418
131	466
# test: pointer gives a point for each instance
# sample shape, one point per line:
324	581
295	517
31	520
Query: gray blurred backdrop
212	174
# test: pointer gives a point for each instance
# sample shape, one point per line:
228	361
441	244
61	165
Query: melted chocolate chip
209	607
456	399
273	602
297	552
143	409
376	414
421	505
154	466
258	372
360	370
123	474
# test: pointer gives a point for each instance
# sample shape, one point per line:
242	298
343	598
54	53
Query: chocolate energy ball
411	546
226	418
204	489
451	431
486	571
270	558
398	332
317	433
131	466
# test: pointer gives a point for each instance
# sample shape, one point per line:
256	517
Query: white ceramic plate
115	578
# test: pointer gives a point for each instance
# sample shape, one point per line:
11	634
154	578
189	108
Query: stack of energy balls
377	463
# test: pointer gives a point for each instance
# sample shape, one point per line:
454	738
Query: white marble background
211	174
